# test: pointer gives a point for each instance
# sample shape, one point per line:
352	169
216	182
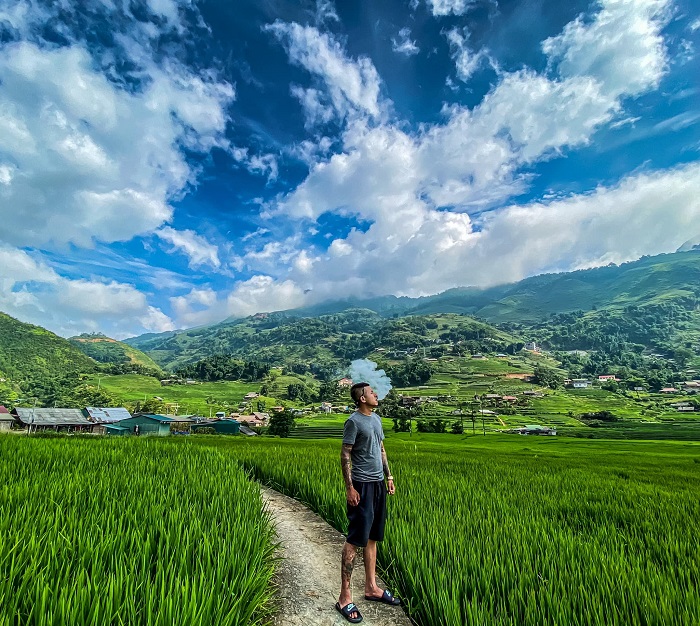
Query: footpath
308	578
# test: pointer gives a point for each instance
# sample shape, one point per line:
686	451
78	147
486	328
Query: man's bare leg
348	564
370	558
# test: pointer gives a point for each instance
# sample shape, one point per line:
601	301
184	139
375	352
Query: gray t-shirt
364	433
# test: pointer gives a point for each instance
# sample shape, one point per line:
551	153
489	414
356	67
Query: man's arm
346	463
387	472
385	462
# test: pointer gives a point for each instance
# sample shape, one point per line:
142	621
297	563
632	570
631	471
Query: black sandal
347	610
386	598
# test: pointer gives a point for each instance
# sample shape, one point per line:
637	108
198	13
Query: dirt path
309	575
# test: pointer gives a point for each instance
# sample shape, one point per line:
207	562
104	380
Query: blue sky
170	163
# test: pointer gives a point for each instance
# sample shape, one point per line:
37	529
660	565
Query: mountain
651	281
106	350
30	353
321	342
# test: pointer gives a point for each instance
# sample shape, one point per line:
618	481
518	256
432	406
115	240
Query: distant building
221	426
251	395
59	420
580	384
607	377
535	429
669	390
6	419
106	415
531	346
148	424
345	382
509	399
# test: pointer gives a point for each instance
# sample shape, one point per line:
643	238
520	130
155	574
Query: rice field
129	532
521	533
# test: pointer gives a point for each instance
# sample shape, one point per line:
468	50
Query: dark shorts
368	518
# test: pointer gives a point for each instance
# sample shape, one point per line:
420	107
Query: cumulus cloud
93	143
350	86
403	44
466	61
622	47
423	194
325	12
91	161
197	249
34	292
448	7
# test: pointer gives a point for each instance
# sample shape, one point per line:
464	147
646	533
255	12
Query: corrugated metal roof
3	410
115	427
107	415
157	418
52	417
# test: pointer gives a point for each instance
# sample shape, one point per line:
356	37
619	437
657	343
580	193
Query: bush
457	428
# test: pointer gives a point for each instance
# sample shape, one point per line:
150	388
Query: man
364	463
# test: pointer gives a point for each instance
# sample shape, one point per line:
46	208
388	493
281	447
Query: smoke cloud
364	370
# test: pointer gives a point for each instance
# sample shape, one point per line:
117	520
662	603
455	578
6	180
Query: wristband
390	478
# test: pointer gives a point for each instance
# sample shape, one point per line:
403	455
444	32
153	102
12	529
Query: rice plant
580	533
129	532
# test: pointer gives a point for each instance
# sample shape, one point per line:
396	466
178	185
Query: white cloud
351	86
325	12
414	191
312	102
466	61
622	47
197	249
91	160
263	293
404	44
447	7
32	291
695	25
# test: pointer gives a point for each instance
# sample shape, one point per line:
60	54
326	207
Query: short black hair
356	391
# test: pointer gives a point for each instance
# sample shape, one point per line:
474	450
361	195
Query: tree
547	377
299	391
328	391
281	423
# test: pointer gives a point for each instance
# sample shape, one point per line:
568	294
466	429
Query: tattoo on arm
346	464
385	462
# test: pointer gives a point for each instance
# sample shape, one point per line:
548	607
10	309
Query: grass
503	531
139	531
224	395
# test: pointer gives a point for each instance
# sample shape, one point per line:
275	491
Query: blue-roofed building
147	424
106	415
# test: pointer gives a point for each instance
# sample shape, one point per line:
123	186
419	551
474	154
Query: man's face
369	397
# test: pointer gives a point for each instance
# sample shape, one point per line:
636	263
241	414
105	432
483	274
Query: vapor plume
364	370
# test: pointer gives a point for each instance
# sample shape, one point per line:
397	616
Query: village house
345	382
59	420
535	429
106	415
580	383
251	395
509	399
147	424
605	377
669	390
6	419
531	346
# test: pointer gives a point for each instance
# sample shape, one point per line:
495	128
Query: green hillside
650	280
320	343
35	359
106	350
662	291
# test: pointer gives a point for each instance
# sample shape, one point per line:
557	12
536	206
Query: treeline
224	367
